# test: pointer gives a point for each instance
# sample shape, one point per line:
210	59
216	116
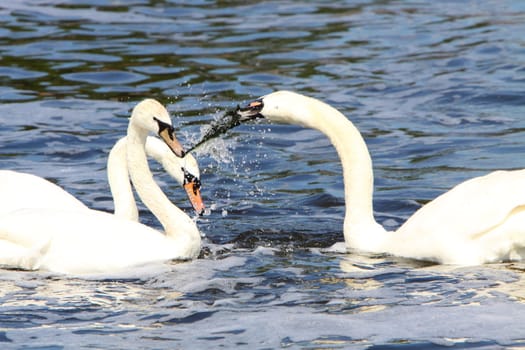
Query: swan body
88	241
22	190
479	221
82	242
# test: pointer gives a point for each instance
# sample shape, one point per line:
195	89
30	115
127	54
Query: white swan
22	190
89	241
480	220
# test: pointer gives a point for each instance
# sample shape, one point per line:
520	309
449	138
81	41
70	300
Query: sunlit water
436	88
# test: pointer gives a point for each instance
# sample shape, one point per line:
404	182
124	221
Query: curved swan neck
174	220
119	183
355	159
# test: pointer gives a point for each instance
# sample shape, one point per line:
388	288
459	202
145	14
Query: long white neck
118	175
361	231
176	223
118	178
360	228
355	159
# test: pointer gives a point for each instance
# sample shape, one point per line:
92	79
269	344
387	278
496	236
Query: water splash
220	150
229	120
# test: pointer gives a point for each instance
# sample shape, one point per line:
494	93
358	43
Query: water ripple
436	88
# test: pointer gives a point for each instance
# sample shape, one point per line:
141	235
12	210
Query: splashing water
220	150
448	103
228	121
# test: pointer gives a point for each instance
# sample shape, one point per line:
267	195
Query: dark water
437	88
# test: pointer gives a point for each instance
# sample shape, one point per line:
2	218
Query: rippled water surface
437	89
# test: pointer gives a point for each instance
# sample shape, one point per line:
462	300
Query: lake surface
437	89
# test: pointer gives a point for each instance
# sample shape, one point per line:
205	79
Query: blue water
437	89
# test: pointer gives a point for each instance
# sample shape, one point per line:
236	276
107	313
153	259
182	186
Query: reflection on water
436	88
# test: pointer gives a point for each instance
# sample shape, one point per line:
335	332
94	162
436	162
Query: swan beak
194	195
251	111
192	186
168	136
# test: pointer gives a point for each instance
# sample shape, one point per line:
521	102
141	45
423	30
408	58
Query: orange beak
194	195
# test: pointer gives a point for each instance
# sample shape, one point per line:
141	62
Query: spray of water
217	155
229	120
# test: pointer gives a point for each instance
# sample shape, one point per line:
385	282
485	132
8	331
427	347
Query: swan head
190	180
151	116
192	184
280	106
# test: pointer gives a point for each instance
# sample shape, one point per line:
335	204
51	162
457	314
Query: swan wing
479	220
